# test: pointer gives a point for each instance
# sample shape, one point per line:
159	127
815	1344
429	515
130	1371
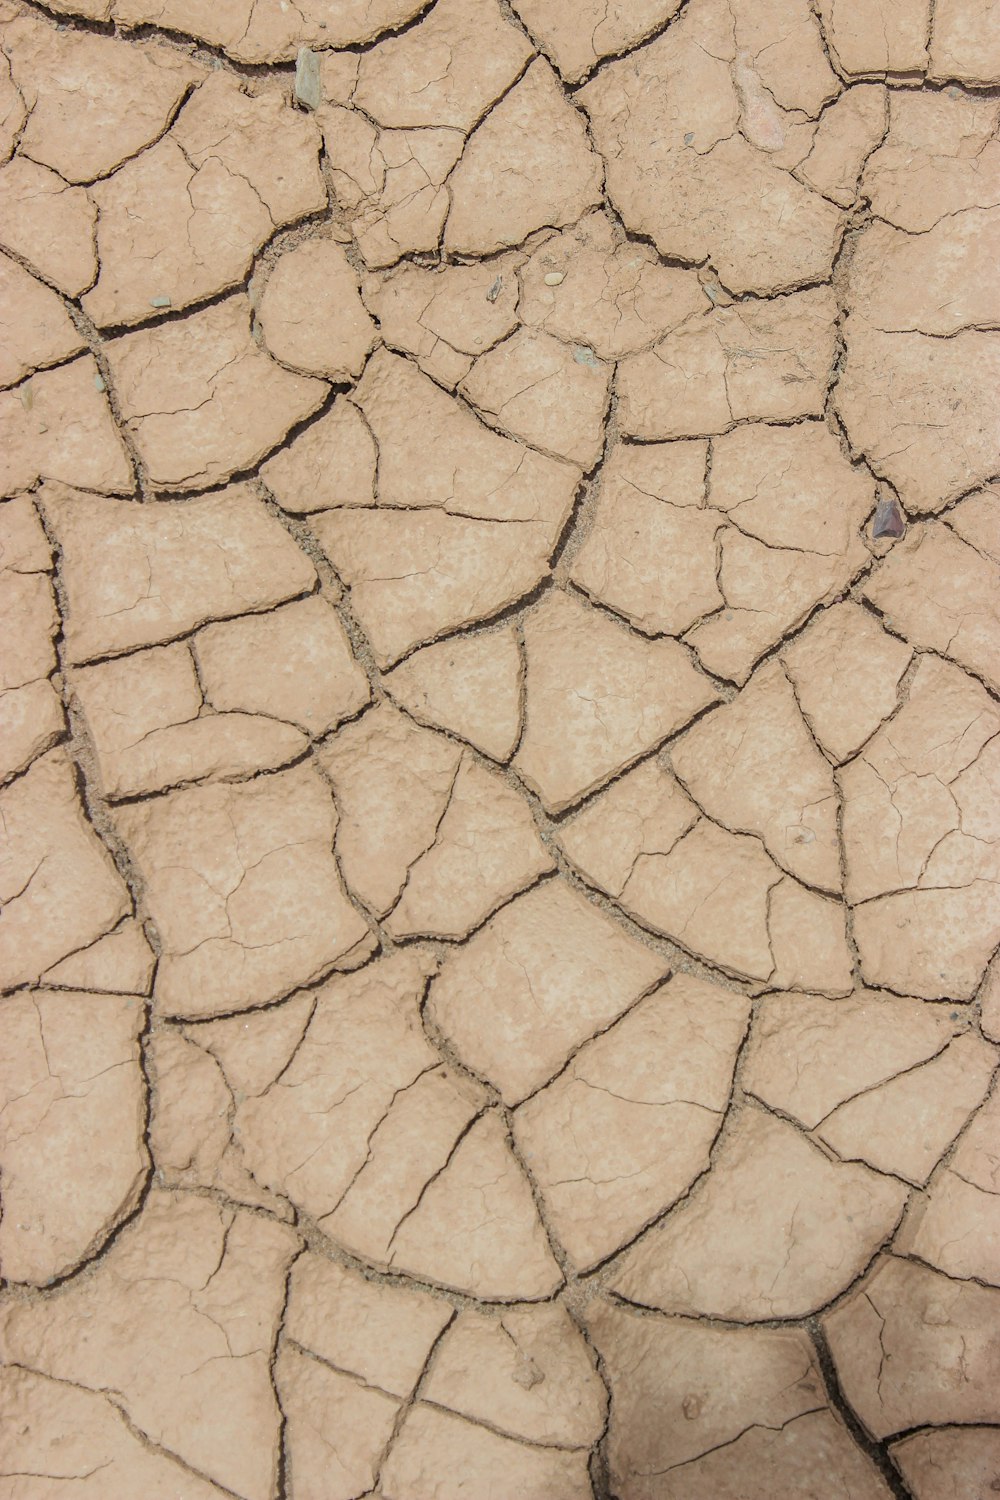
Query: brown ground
500	750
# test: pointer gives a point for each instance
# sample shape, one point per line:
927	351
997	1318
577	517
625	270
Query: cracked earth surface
500	750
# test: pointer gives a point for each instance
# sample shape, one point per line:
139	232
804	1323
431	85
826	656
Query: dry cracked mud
500	750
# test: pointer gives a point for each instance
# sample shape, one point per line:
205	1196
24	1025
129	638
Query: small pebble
689	138
27	395
99	384
494	291
159	302
584	356
555	278
888	520
308	84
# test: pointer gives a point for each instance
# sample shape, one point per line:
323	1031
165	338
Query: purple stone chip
888	520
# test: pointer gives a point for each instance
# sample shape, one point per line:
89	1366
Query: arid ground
500	750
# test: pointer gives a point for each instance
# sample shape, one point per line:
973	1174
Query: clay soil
499	750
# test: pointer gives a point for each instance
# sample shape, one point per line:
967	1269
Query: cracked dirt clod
471	1459
58	425
811	1445
444	315
447	1239
747	1244
335	1428
593	286
650	552
414	577
31	713
390	184
875	37
964	1197
884	1080
926	781
717	893
143	716
464	521
683	174
924	449
963	45
61	890
77	1078
937	168
848	132
538	1377
912	1348
613	700
329	464
387	1147
741	1410
226	870
206	1282
528	164
807	1055
846	672
380	1333
939	157
578	36
226	404
259	34
98	1452
545	947
948	1460
736	763
122	962
935	567
292	663
469	685
93	100
49	224
190	1130
184	219
138	575
761	360
311	313
434	452
949	263
544	392
37	329
446	71
622	1132
428	839
499	750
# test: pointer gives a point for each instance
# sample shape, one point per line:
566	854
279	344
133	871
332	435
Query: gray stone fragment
308	87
